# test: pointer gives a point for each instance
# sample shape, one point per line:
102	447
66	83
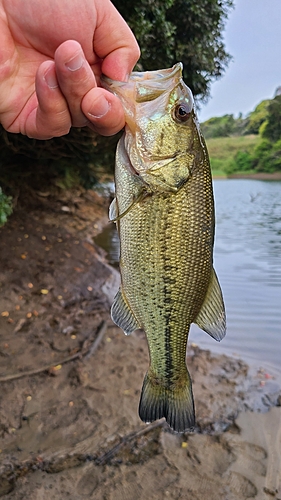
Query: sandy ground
70	382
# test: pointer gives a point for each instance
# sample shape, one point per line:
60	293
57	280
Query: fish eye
181	111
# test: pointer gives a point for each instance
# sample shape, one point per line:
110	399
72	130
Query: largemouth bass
164	211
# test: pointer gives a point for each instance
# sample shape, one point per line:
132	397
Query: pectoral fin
122	315
211	317
114	216
113	211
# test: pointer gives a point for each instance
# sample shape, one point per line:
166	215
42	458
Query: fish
164	212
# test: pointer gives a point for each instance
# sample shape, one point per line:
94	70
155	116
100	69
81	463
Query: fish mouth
152	78
142	87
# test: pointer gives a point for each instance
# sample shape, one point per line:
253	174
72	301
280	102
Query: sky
253	37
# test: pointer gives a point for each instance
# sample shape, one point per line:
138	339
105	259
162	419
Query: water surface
247	259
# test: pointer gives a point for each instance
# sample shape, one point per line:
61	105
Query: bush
257	118
221	126
224	126
5	207
272	131
242	162
79	157
267	157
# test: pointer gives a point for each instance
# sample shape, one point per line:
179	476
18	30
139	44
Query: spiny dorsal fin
211	317
122	315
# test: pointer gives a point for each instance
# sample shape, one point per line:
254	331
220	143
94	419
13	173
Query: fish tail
174	402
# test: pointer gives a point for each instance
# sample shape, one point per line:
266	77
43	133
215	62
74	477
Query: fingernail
75	63
51	78
100	108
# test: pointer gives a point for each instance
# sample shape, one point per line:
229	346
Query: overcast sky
253	37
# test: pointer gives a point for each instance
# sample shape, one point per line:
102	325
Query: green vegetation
5	207
81	157
223	126
249	145
168	31
257	118
224	151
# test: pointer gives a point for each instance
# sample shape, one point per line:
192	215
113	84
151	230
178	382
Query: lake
247	259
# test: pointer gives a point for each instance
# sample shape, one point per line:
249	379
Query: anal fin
211	317
122	315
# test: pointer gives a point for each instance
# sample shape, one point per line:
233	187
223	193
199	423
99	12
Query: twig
83	352
126	439
101	331
66	459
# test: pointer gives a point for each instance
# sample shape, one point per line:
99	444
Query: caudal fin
175	403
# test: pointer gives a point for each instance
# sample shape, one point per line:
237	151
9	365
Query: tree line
265	122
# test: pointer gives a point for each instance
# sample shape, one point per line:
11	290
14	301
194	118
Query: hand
51	58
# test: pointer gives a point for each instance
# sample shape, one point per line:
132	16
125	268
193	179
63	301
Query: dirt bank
70	382
262	176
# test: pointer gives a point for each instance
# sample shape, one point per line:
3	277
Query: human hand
52	55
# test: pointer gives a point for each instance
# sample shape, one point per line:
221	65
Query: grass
222	150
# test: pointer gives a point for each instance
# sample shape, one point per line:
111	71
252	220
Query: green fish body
164	211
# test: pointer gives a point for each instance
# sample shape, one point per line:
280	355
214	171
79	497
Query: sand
69	425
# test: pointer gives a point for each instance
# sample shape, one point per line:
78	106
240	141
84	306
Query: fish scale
164	212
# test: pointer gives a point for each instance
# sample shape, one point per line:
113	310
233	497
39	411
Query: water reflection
108	239
248	262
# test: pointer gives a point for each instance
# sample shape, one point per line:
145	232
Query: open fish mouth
144	86
153	78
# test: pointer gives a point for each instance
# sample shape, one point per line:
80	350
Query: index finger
115	43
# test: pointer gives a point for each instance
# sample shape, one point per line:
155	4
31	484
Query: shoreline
276	176
74	428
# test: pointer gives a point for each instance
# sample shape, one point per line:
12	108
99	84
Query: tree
257	117
219	126
190	31
272	130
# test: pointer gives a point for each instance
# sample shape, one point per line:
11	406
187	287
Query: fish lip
158	76
142	87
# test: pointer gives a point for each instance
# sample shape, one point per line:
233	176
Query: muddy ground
70	382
